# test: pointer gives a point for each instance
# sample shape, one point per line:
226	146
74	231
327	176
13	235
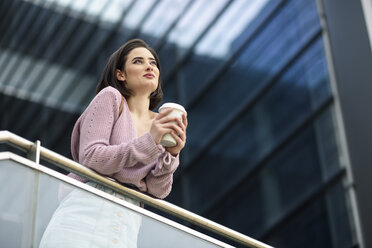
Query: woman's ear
120	75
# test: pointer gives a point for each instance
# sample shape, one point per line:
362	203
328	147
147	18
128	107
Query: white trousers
86	220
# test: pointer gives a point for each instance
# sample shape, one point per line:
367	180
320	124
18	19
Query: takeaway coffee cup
168	140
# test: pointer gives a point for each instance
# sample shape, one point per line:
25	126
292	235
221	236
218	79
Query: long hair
117	62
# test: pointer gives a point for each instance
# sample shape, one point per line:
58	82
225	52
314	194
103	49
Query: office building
277	95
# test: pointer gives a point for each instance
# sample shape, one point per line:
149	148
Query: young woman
118	136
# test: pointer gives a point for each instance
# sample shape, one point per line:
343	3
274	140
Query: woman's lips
149	75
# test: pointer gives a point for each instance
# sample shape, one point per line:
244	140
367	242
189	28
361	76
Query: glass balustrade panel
30	199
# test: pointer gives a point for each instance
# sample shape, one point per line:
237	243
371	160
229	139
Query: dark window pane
284	181
309	229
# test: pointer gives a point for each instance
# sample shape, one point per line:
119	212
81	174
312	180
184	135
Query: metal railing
36	152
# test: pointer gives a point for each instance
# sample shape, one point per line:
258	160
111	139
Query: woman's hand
164	124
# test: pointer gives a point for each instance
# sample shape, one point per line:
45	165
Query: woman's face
141	71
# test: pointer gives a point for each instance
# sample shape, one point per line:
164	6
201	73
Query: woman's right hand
163	124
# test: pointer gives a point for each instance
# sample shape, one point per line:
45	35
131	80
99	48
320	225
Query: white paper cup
167	139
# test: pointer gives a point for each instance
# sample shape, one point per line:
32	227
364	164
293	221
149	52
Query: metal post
34	152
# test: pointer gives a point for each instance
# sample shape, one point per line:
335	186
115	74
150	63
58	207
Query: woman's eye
154	63
137	61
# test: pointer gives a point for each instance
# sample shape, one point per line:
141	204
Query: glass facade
263	155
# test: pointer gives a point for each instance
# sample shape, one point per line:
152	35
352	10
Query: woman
122	143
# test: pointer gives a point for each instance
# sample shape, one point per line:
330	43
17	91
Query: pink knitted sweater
108	143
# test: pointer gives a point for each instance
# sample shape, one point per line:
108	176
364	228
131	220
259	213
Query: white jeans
86	220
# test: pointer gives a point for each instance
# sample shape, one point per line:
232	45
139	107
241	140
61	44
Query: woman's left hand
179	135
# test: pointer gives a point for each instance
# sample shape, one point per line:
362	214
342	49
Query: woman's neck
139	106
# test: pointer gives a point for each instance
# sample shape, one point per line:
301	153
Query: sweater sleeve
95	132
155	178
160	179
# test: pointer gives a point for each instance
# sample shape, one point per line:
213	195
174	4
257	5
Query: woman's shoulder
108	98
109	95
109	91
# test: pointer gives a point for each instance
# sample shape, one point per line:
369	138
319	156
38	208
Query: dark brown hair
117	61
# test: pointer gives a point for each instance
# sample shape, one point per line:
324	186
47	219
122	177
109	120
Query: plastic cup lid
172	105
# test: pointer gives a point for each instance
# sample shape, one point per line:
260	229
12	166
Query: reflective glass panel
186	32
284	181
312	222
32	202
140	8
257	66
162	18
323	223
219	44
218	41
260	129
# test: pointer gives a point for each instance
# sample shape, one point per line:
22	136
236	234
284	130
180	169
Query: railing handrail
70	165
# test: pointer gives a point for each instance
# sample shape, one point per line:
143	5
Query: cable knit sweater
108	143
